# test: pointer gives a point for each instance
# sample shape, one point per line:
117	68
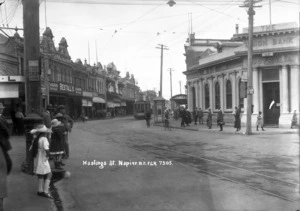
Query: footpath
228	128
22	187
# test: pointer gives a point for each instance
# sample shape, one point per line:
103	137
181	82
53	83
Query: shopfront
99	106
87	104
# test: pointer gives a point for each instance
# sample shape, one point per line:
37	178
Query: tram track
275	184
221	169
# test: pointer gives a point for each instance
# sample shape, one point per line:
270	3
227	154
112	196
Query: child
260	122
40	153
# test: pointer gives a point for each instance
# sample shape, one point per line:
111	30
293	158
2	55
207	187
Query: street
120	164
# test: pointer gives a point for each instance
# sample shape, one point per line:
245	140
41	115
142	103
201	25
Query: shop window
217	96
228	95
206	90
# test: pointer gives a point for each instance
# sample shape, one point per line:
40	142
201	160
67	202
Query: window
58	75
217	96
206	90
228	95
241	97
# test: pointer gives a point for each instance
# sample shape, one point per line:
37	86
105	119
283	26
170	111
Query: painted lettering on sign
78	90
283	41
53	87
66	88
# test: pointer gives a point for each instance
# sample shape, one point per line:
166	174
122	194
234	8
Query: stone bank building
217	73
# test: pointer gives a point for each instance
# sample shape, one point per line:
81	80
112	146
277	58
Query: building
12	80
130	93
217	73
57	74
83	89
114	87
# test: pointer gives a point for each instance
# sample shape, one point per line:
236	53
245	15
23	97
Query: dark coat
209	119
57	140
237	119
220	119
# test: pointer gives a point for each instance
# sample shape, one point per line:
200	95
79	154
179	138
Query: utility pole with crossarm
250	91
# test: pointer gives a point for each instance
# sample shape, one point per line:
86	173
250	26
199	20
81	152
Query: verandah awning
98	100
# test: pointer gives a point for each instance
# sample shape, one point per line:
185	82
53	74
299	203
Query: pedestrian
260	121
195	115
68	122
40	153
148	118
220	119
188	118
47	116
19	121
209	119
200	116
294	119
5	160
237	119
167	119
14	121
183	116
57	143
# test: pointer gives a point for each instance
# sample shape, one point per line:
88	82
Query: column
201	96
190	97
256	91
235	91
294	88
285	89
197	93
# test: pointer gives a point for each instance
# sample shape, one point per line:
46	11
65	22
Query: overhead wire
206	22
135	21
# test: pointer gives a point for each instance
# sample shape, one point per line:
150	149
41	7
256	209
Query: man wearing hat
68	122
5	161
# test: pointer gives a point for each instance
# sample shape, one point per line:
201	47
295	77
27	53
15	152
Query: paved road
178	169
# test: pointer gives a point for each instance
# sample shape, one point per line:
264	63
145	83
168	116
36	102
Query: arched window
242	91
206	96
217	96
228	95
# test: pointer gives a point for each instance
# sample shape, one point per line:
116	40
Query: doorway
271	103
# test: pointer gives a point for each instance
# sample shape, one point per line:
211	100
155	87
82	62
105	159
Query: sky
128	32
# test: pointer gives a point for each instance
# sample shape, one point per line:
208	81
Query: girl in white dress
40	152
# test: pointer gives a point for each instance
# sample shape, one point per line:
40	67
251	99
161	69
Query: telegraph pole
180	86
162	48
171	70
250	91
32	56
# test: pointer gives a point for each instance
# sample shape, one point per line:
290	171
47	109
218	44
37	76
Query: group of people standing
50	140
198	116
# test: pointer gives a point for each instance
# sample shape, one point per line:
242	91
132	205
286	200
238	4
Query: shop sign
33	72
53	86
95	94
43	90
66	87
87	94
78	90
